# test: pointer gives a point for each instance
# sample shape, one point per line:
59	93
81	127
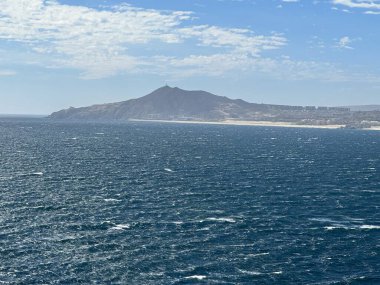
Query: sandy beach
377	128
248	123
256	123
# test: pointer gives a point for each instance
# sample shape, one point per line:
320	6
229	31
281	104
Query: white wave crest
198	277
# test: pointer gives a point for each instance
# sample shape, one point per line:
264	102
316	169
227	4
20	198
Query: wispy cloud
99	42
360	4
107	41
240	40
280	68
372	12
95	41
344	42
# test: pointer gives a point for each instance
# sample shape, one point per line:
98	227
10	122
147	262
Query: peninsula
169	104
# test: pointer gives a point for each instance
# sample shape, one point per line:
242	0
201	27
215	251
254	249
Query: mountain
167	103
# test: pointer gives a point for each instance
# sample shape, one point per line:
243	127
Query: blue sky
56	54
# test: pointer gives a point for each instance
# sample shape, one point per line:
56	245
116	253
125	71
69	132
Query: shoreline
255	124
245	123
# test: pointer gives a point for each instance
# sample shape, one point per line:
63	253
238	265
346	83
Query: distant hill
167	103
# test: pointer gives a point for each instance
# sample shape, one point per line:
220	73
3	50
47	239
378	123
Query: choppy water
144	203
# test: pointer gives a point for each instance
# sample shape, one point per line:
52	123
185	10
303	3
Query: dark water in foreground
144	203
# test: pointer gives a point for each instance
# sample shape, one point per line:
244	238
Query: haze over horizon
56	54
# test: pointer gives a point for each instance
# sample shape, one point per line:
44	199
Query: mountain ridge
173	103
163	103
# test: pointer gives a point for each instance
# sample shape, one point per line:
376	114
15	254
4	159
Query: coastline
377	128
255	123
247	123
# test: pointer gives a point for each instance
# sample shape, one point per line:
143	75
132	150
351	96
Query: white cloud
124	39
344	42
240	40
281	68
364	4
95	41
99	41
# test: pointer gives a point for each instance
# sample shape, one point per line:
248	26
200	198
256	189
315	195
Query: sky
60	53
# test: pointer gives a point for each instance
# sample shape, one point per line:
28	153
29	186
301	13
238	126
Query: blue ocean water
150	203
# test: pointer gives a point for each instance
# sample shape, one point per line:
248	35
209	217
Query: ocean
154	203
